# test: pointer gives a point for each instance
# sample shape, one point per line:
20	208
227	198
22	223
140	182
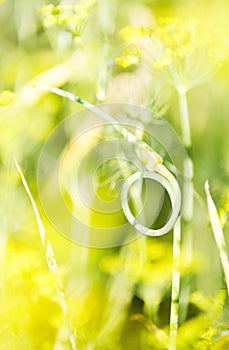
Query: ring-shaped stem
174	194
154	164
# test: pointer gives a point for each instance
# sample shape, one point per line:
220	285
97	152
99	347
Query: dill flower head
181	52
7	97
71	18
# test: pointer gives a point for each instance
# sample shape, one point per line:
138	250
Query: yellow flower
164	60
69	18
132	34
129	57
184	53
7	97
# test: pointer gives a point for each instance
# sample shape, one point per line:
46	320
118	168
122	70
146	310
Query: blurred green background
118	298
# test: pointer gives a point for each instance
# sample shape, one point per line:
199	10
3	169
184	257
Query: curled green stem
153	163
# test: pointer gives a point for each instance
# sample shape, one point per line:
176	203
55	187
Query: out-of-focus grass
118	298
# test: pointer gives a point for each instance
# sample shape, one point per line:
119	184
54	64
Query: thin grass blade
218	234
51	261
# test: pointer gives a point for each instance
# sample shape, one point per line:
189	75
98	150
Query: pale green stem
51	261
153	157
152	163
218	234
174	312
184	116
188	195
103	75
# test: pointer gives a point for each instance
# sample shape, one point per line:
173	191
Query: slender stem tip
207	187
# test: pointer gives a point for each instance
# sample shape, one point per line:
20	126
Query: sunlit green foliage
117	298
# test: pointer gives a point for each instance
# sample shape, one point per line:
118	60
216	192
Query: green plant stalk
188	193
184	116
218	234
174	313
51	261
104	72
154	163
153	159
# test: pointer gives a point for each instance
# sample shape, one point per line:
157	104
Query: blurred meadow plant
118	298
70	18
183	54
